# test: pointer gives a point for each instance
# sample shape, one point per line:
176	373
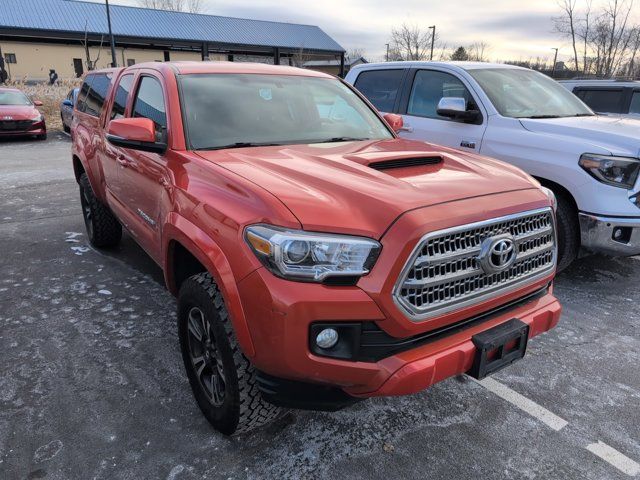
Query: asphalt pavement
92	383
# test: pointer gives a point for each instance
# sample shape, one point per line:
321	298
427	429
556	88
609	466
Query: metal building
72	36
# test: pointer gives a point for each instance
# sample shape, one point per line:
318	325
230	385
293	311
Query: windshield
527	94
240	110
14	98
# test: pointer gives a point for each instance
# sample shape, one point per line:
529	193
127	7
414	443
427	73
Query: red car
19	116
318	259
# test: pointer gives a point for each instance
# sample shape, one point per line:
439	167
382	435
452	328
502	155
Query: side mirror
67	103
394	121
37	103
134	133
456	109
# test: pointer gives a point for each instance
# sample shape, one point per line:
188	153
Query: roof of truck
462	65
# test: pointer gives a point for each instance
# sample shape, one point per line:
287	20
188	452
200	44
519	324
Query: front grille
15	125
445	272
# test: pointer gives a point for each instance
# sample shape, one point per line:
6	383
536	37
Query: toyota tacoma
317	258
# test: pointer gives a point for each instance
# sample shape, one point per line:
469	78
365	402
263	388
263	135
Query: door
421	120
143	176
77	67
113	157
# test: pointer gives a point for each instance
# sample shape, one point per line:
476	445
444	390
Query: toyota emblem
497	253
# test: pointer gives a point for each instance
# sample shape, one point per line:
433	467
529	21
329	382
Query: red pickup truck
317	258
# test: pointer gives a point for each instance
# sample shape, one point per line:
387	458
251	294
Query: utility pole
555	60
114	62
433	39
387	51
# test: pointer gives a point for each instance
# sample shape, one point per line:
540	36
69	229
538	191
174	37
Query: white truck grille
454	268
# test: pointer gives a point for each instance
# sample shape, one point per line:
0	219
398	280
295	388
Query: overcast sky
514	29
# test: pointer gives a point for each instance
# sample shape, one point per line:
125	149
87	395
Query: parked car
19	116
317	258
615	97
66	109
523	117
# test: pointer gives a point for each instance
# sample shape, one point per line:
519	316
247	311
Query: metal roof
76	16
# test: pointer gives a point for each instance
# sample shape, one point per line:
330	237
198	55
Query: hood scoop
406	162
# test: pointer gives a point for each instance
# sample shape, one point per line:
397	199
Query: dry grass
50	96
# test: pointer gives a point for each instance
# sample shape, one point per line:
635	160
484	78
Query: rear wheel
102	226
65	127
568	231
222	379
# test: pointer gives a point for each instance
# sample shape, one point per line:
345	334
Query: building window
130	62
10	57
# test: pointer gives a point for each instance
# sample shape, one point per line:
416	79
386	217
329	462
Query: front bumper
282	317
610	235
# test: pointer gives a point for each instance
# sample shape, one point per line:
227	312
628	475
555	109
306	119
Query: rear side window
607	101
82	95
97	94
149	103
381	87
122	93
635	103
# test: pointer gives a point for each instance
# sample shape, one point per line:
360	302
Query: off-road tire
103	228
568	231
243	408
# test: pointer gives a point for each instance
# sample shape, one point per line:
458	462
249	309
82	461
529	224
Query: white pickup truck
522	117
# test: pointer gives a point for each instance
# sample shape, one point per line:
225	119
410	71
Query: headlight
300	255
619	172
38	118
551	196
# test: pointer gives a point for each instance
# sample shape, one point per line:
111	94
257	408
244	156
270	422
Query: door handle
122	161
468	144
164	182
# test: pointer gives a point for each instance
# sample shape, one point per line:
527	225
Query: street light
114	63
387	51
433	39
555	60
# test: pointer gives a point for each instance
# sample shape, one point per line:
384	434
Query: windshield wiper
543	116
342	139
584	115
241	145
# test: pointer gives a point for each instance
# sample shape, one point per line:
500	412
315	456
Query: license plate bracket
499	347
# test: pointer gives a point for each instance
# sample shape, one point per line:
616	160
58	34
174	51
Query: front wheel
222	379
568	232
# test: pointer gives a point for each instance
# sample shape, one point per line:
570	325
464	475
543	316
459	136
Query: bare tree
607	35
355	53
191	6
409	42
566	25
478	51
90	63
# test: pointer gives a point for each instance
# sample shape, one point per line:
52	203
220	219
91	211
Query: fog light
327	338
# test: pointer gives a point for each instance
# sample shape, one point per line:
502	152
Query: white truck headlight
314	257
619	172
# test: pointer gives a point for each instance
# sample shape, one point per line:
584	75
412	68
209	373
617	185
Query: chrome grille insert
444	272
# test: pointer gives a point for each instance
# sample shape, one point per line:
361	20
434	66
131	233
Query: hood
18	112
617	135
341	186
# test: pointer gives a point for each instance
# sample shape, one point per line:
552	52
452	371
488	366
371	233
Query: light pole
433	39
114	62
387	51
555	60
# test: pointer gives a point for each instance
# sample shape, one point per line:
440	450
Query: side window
381	87
97	93
82	95
607	101
149	103
122	93
635	103
429	87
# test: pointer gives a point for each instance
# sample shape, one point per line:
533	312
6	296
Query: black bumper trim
302	395
369	343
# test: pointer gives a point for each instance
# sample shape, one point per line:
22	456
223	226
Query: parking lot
92	383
